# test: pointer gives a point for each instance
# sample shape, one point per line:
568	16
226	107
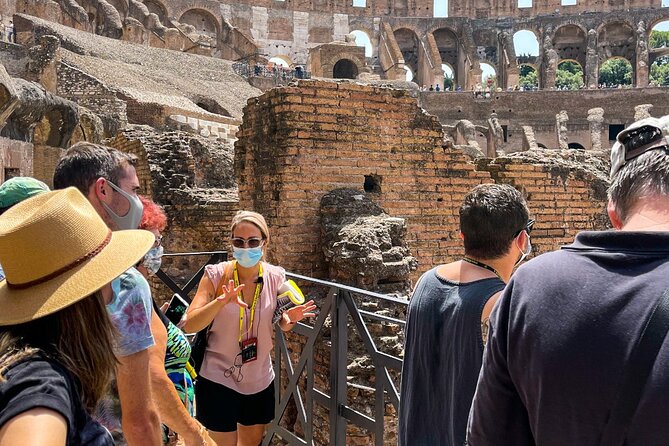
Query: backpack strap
636	374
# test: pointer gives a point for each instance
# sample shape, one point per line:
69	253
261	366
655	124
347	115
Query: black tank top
442	359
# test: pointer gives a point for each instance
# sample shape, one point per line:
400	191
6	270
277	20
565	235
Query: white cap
624	150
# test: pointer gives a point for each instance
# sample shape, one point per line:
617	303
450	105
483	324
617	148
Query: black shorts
220	408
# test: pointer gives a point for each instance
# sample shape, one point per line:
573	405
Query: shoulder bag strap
636	374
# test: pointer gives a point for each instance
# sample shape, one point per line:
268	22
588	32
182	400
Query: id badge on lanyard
249	346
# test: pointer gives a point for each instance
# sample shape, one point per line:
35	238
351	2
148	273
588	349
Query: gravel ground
149	74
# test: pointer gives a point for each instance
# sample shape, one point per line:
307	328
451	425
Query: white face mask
523	253
133	217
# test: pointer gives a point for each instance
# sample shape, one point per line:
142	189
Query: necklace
481	265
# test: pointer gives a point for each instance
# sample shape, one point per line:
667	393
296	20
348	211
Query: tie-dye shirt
130	312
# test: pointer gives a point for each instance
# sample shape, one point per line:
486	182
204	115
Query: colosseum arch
203	21
449	50
345	69
409	44
121	6
364	39
617	39
158	8
570	41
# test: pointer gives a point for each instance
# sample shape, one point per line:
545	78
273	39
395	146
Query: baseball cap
18	189
640	137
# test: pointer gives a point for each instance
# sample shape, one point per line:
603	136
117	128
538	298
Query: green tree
616	72
528	77
659	71
448	83
570	75
659	39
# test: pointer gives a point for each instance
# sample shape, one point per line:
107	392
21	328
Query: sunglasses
252	242
527	228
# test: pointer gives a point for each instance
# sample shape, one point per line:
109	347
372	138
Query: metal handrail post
338	361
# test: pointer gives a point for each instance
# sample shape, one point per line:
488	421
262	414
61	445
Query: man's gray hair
645	176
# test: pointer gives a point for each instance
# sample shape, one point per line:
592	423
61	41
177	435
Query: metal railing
339	308
276	72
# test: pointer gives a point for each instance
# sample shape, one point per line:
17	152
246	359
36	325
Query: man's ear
616	221
100	190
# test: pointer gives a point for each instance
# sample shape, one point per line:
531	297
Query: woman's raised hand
299	312
232	294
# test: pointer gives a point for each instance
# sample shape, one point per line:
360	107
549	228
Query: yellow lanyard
255	300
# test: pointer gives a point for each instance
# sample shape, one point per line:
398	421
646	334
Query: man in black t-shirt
566	325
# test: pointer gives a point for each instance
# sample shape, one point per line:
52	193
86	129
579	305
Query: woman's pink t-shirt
223	345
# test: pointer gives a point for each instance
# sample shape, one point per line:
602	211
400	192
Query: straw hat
55	250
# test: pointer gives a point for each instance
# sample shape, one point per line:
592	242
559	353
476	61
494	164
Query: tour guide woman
235	392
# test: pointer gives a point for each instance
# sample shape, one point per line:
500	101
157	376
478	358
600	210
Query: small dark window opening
372	184
614	129
576	146
505	130
11	172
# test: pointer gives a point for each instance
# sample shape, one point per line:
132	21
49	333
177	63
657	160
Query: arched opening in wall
449	77
570	43
408	42
525	44
659	54
282	61
617	39
616	72
447	43
440	8
575	146
488	76
157	8
203	22
362	39
409	74
345	69
541	146
529	77
569	75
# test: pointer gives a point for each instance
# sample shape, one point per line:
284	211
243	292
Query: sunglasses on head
641	137
527	228
252	242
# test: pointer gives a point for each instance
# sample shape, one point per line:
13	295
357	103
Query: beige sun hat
55	250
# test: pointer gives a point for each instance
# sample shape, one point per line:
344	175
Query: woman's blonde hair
253	218
80	337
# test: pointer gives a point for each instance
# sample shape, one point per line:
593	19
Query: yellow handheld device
289	295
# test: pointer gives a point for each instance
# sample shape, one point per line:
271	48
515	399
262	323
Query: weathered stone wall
516	109
45	159
16	158
89	92
175	170
15	58
298	143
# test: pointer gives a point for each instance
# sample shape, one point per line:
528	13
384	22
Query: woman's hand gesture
299	312
232	294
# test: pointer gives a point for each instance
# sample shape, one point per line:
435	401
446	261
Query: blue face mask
247	257
153	259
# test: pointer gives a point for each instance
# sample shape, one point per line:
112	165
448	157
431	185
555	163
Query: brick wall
198	217
16	158
298	143
89	92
